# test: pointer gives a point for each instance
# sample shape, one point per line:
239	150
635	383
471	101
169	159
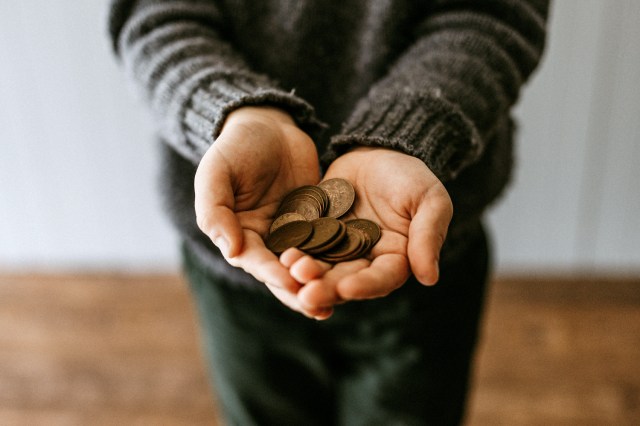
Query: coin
290	234
337	239
308	218
320	195
285	218
350	248
341	196
371	228
306	200
306	191
325	229
308	209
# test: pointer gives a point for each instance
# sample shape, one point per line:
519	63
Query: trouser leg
406	358
262	357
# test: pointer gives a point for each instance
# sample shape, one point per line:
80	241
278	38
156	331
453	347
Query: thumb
427	232
214	204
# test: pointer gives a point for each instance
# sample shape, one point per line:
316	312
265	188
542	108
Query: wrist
361	154
264	114
362	150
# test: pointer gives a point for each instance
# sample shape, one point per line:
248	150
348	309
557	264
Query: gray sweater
434	79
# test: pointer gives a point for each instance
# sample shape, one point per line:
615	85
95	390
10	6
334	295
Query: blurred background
78	198
78	160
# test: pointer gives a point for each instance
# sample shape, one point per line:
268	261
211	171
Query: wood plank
100	350
120	349
561	352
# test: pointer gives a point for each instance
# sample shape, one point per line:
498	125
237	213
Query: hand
258	158
412	207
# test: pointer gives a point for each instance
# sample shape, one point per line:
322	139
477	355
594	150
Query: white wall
78	163
575	198
77	160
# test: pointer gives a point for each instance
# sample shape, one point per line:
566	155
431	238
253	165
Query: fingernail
323	314
222	244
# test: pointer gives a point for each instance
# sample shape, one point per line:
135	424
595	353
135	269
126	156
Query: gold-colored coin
284	219
341	196
291	234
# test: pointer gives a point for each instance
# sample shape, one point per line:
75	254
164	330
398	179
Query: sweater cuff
425	126
210	105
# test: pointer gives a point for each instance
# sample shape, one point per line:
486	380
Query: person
411	102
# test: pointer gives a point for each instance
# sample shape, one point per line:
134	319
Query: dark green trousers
399	360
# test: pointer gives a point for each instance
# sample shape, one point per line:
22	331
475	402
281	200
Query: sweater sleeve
175	54
446	96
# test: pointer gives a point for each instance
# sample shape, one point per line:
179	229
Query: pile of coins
308	218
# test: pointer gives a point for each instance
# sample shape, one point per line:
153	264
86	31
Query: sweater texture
434	79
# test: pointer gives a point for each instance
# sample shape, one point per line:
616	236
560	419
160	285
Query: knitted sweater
435	79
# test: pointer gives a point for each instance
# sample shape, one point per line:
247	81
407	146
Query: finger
289	300
323	314
285	297
307	268
214	203
260	262
322	292
222	227
302	267
427	232
290	256
385	274
316	295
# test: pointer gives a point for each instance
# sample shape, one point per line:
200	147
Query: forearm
177	56
444	97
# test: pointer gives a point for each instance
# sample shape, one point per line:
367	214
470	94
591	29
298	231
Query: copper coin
325	229
304	207
363	248
369	227
290	234
292	194
304	191
285	218
305	200
348	247
319	195
337	239
341	196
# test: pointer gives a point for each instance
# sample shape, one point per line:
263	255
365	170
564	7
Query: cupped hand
259	156
412	207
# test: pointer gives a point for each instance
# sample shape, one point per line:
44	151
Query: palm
379	200
396	191
259	157
375	201
261	180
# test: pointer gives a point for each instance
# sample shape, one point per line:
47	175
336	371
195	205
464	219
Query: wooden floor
113	349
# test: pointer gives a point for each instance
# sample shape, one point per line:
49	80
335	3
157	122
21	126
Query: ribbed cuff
210	106
424	126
